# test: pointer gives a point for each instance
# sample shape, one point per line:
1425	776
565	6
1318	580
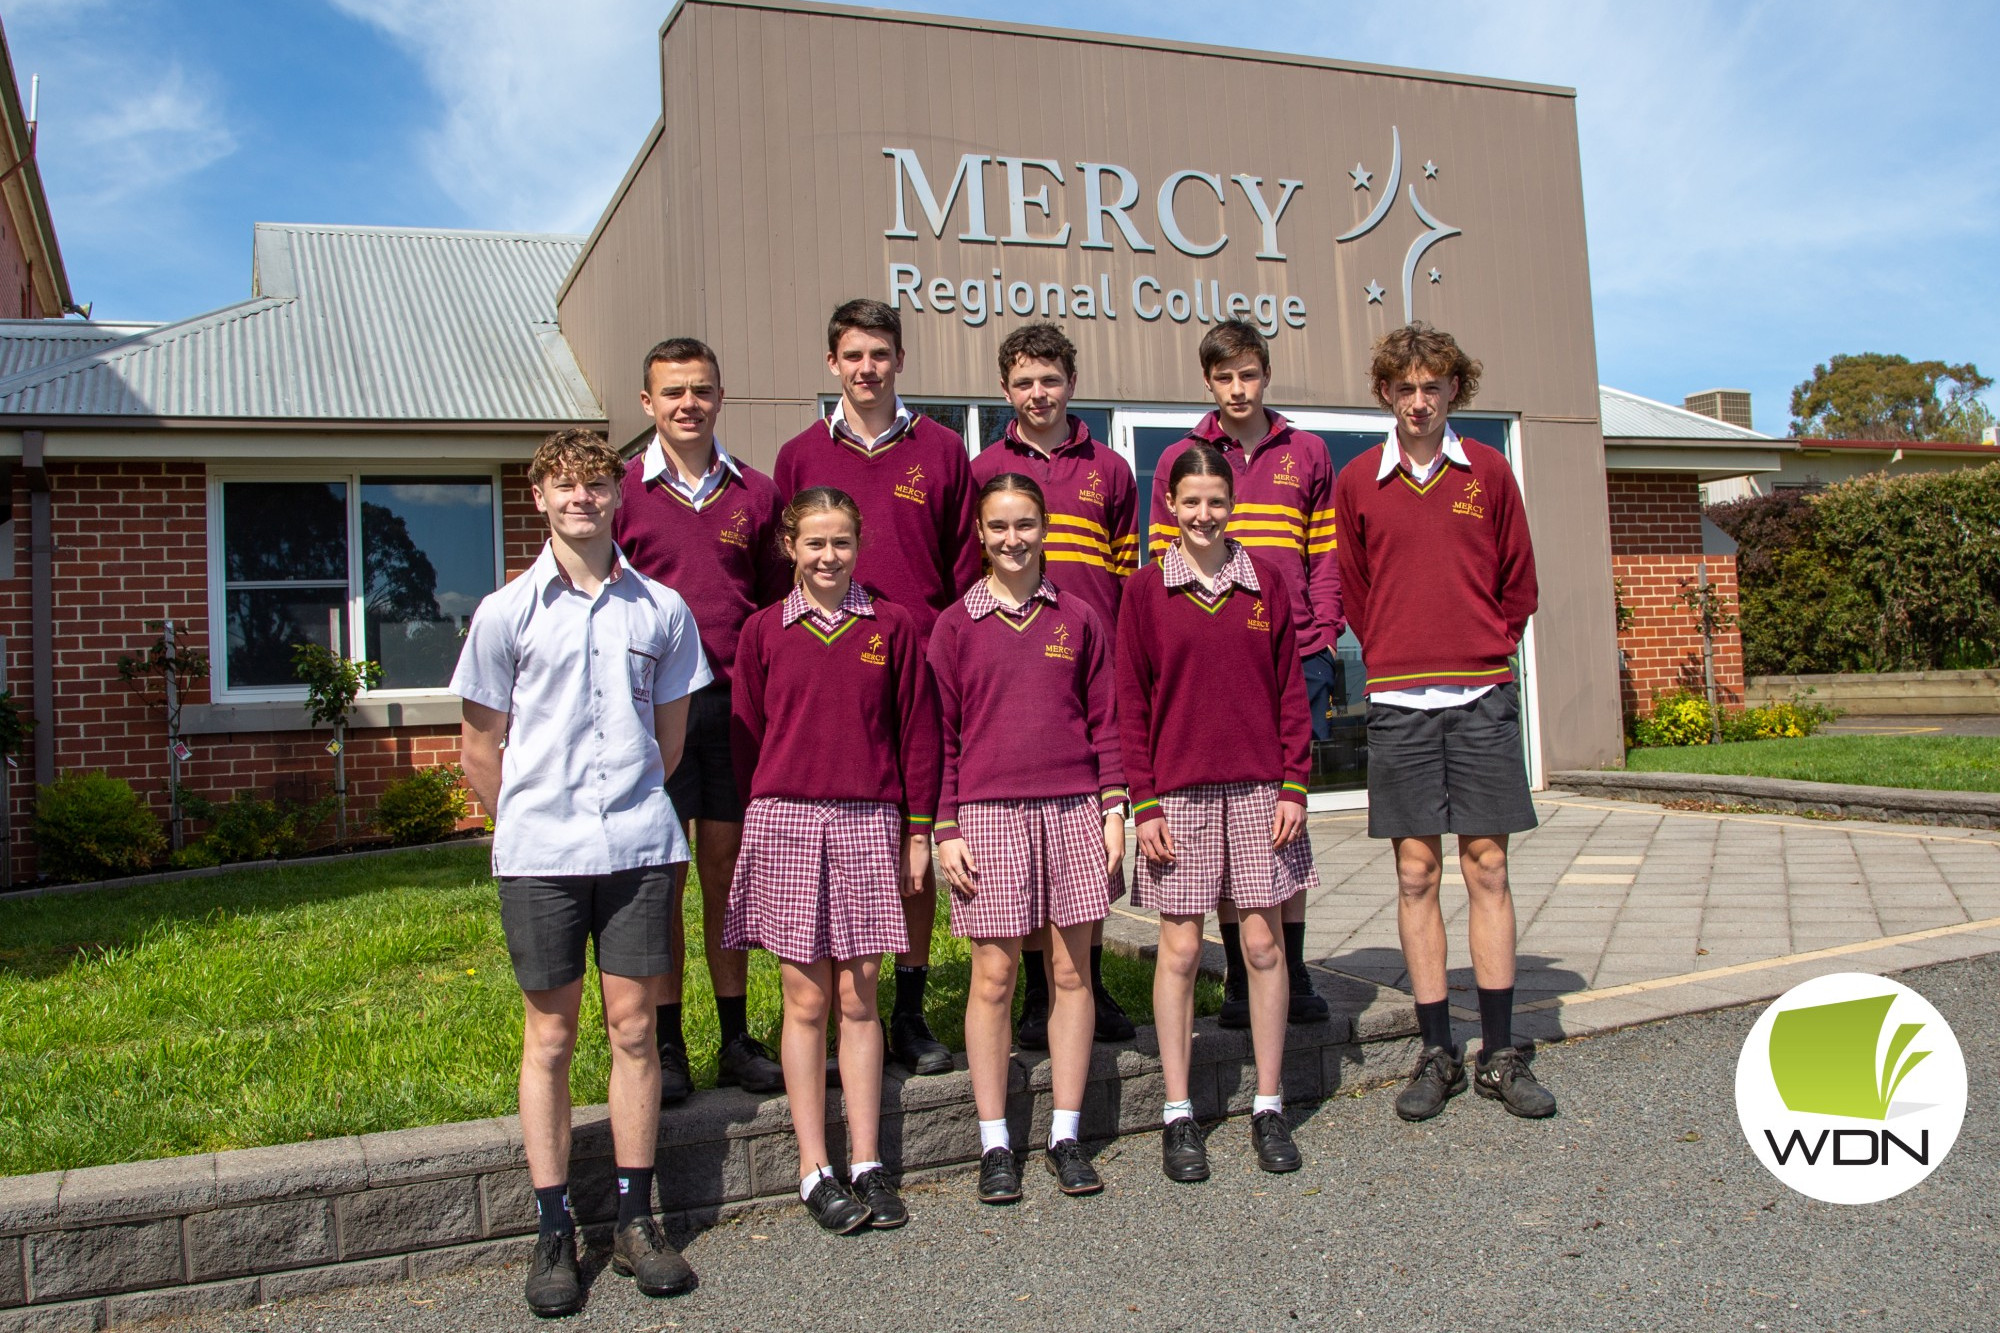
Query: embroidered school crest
873	654
1059	647
911	488
1467	505
1287	473
1093	488
1258	620
737	531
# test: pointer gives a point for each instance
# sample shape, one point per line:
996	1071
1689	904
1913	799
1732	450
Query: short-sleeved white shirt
582	785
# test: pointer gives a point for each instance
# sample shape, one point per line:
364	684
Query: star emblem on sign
1436	276
1435	229
1430	171
1375	291
1361	176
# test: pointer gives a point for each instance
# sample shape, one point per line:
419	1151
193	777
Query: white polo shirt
582	784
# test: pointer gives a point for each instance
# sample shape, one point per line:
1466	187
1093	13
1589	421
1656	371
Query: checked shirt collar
798	606
980	601
1176	571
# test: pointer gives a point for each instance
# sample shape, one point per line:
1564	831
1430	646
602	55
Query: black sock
552	1208
1496	1017
1097	969
1232	956
668	1029
1295	947
1035	972
1434	1023
635	1193
732	1013
910	983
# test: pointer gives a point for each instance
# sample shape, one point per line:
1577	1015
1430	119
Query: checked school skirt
817	879
1222	847
1041	862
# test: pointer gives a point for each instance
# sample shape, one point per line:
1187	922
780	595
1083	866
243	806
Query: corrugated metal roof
27	344
1627	416
348	324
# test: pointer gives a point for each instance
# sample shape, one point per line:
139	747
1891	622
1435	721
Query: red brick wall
18	299
132	547
1655	547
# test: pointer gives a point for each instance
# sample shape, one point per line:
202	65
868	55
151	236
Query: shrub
247	827
424	806
1681	717
93	826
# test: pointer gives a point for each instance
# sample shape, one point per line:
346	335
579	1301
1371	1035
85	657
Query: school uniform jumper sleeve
1123	520
774	573
1322	559
1518	591
960	547
1352	550
1161	529
943	654
1294	713
917	730
746	703
1100	697
1136	674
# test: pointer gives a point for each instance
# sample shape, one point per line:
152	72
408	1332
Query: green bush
247	827
93	826
425	806
1681	717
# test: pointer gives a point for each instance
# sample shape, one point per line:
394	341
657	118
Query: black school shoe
746	1063
641	1253
555	1286
1438	1077
999	1176
676	1080
1308	1005
885	1207
1183	1151
1073	1172
1506	1079
835	1208
1032	1032
1272	1138
912	1046
1235	1002
1113	1023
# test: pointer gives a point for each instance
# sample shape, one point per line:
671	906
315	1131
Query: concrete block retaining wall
1887	693
108	1246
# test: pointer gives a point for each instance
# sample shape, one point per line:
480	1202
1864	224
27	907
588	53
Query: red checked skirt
1222	846
817	879
1041	862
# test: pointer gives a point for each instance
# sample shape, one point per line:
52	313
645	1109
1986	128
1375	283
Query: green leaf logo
1823	1058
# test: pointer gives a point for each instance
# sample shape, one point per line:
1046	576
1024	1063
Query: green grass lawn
1944	763
271	1006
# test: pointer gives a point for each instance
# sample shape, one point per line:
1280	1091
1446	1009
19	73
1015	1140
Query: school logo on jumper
1258	620
1286	475
873	654
1467	505
912	486
738	531
1060	648
1093	488
1851	1088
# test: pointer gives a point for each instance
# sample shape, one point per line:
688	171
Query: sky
1766	184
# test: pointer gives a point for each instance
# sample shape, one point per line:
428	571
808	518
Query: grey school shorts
549	922
1433	771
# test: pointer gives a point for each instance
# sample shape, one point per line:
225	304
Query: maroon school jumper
1439	578
1284	512
721	556
1093	541
1210	694
917	545
835	727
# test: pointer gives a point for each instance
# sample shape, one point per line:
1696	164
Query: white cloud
152	128
544	105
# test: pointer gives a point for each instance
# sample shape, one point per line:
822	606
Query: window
384	567
984	422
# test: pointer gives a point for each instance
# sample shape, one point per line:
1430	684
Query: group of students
888	656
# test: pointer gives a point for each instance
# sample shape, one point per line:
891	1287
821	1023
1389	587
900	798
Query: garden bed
271	1005
1937	763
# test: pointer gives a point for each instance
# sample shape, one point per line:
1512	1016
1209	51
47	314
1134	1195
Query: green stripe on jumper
1145	805
1434	675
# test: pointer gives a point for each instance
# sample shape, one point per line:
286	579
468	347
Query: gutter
42	602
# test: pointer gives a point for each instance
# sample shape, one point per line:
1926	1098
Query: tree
1875	396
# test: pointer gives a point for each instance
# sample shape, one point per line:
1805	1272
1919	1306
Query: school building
339	457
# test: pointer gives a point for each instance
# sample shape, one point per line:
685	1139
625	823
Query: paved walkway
1962	724
1631	911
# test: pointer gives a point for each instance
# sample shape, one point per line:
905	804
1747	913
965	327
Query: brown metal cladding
765	200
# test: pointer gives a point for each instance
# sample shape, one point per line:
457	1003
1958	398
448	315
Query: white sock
1261	1103
807	1184
993	1134
861	1168
1178	1111
1063	1125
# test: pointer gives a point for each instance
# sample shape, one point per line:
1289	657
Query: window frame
349	475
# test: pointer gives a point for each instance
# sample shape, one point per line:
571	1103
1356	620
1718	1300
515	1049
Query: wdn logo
1851	1088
